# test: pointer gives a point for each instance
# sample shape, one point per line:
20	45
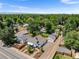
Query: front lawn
59	56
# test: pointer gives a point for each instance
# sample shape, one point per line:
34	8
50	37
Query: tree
34	27
50	28
70	24
7	36
72	40
31	49
1	23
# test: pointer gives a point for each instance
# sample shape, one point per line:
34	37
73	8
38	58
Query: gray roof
63	49
29	38
52	37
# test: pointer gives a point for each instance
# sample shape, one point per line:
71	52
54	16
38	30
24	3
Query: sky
40	6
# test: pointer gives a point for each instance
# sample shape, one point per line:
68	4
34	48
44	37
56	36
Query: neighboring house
52	37
64	50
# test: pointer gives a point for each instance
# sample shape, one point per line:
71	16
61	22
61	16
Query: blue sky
40	6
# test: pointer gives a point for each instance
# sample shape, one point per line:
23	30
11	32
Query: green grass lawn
59	56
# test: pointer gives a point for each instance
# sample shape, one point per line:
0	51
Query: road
2	56
9	53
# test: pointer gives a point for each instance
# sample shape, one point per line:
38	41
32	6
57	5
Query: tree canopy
36	22
72	40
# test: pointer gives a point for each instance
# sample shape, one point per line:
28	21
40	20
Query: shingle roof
63	49
52	37
29	38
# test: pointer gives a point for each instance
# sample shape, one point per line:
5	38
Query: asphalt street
8	53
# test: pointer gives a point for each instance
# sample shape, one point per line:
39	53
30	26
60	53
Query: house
37	41
64	50
21	36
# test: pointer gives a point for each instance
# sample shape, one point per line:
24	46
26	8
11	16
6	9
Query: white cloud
70	1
